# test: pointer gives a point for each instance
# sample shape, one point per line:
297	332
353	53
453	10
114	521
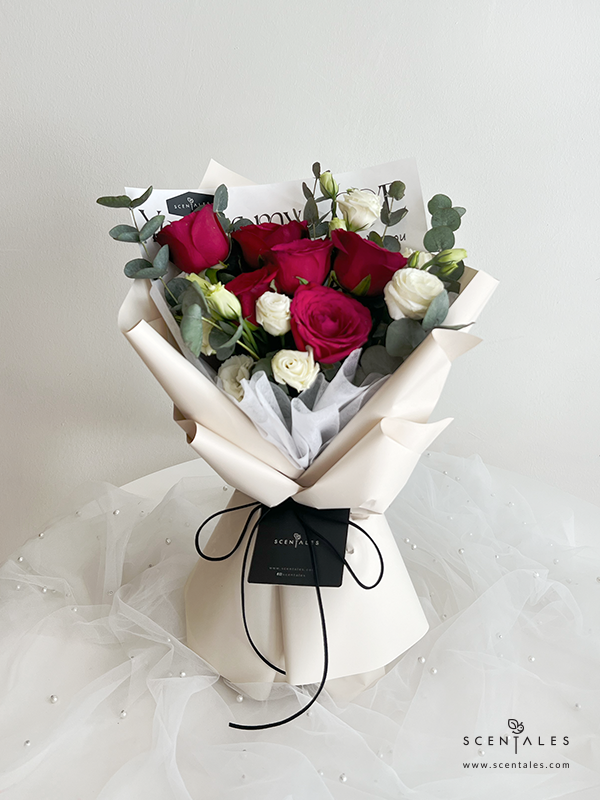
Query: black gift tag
184	204
281	552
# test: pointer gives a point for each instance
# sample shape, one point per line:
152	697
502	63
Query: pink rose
196	241
256	240
248	287
330	322
307	259
357	257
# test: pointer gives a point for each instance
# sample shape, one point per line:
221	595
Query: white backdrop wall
498	101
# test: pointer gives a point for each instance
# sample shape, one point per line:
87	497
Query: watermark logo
514	737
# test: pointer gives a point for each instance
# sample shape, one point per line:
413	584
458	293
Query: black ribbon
309	518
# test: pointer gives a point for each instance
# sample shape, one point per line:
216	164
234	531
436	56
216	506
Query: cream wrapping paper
363	468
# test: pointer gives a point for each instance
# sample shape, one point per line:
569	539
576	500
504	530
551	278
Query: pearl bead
500	655
18	587
510	503
568	580
481	752
598	579
524	523
407	540
457	478
496	556
73	608
182	674
111	593
309	713
225	488
421	659
239	698
461	550
116	512
169	639
499	635
343	778
320	772
243	777
450	516
445	472
555	561
536	574
492	494
41	535
27	743
44	589
350	551
531	658
413	547
123	714
20	559
444	616
381	755
433	671
577	705
78	513
53	698
168	541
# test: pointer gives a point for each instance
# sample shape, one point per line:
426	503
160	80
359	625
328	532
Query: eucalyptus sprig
148	267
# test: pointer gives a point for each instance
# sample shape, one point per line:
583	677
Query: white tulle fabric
98	621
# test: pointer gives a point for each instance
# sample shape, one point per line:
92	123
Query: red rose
330	322
248	287
256	240
195	241
358	257
306	259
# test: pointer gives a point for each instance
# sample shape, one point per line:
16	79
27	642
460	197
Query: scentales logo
296	541
184	204
517	731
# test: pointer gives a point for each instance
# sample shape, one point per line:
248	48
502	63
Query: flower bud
451	256
361	208
232	372
221	301
329	186
337	223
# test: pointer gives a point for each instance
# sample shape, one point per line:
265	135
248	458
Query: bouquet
304	332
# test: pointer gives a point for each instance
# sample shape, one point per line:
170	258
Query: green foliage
376	238
139	201
437	202
191	326
263	365
363	287
437	311
316	170
391	243
124	233
397	190
161	259
151	227
403	336
448	217
223	342
116	201
174	290
377	359
221	198
436	239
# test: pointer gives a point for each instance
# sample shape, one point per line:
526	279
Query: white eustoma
222	302
360	207
410	293
273	313
295	368
232	372
207	349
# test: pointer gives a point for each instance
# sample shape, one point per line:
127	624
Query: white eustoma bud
337	224
232	372
273	313
416	258
360	207
410	293
222	302
296	368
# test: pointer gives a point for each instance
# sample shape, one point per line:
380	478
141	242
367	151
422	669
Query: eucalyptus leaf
116	201
193	296
241	223
133	267
446	216
376	238
377	359
221	198
321	229
331	370
460	210
191	328
161	259
176	287
263	365
403	336
437	311
224	344
306	191
437	202
151	227
397	190
224	221
316	170
311	211
124	233
438	239
385	212
227	327
139	201
397	216
363	287
391	243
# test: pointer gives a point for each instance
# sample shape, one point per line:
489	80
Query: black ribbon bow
309	518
